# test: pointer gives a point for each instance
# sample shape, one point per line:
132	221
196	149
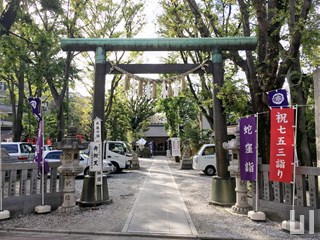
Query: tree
182	119
264	71
113	20
40	25
129	117
8	16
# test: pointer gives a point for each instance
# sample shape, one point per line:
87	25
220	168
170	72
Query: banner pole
42	163
42	208
295	158
257	215
257	163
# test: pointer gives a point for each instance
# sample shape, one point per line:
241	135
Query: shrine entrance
213	45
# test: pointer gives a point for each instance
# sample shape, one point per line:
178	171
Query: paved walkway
159	207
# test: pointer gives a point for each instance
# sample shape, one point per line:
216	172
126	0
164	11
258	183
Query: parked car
108	167
45	147
22	150
205	159
55	156
6	158
119	153
52	155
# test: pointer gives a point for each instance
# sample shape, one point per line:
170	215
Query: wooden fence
276	198
21	187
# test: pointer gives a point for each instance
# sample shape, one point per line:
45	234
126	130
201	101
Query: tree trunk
8	17
17	127
298	97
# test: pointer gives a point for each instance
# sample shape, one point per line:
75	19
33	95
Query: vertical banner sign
95	157
248	161
278	98
175	147
96	148
97	129
281	144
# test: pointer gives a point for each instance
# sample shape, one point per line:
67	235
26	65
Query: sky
151	10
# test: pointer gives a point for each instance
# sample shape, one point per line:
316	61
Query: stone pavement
159	207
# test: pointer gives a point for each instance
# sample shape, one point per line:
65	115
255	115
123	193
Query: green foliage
182	119
80	113
235	99
129	117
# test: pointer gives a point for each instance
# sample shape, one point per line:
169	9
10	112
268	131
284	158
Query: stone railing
275	198
22	187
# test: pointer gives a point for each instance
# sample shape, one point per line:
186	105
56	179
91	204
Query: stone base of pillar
67	209
240	209
43	209
135	164
90	198
257	216
294	227
223	191
4	214
185	163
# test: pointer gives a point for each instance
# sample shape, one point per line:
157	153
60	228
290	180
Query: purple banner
278	98
248	149
35	105
39	152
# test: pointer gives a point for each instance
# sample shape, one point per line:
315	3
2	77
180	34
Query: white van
118	153
205	159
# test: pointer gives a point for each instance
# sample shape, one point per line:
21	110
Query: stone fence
275	198
21	189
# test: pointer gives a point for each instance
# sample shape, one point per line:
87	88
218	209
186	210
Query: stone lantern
186	162
241	206
70	158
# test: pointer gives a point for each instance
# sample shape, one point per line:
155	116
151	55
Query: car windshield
26	148
200	150
54	155
128	148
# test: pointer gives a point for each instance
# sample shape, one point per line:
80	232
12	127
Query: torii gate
213	45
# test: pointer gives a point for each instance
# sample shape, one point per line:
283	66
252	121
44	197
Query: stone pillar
186	162
70	167
241	206
316	82
135	161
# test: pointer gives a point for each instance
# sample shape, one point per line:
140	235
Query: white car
55	156
108	167
205	159
23	151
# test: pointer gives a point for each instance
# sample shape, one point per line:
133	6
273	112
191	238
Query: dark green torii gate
213	45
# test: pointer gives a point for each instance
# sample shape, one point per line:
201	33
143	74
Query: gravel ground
209	220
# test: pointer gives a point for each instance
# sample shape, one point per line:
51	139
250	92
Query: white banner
175	147
95	156
97	129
